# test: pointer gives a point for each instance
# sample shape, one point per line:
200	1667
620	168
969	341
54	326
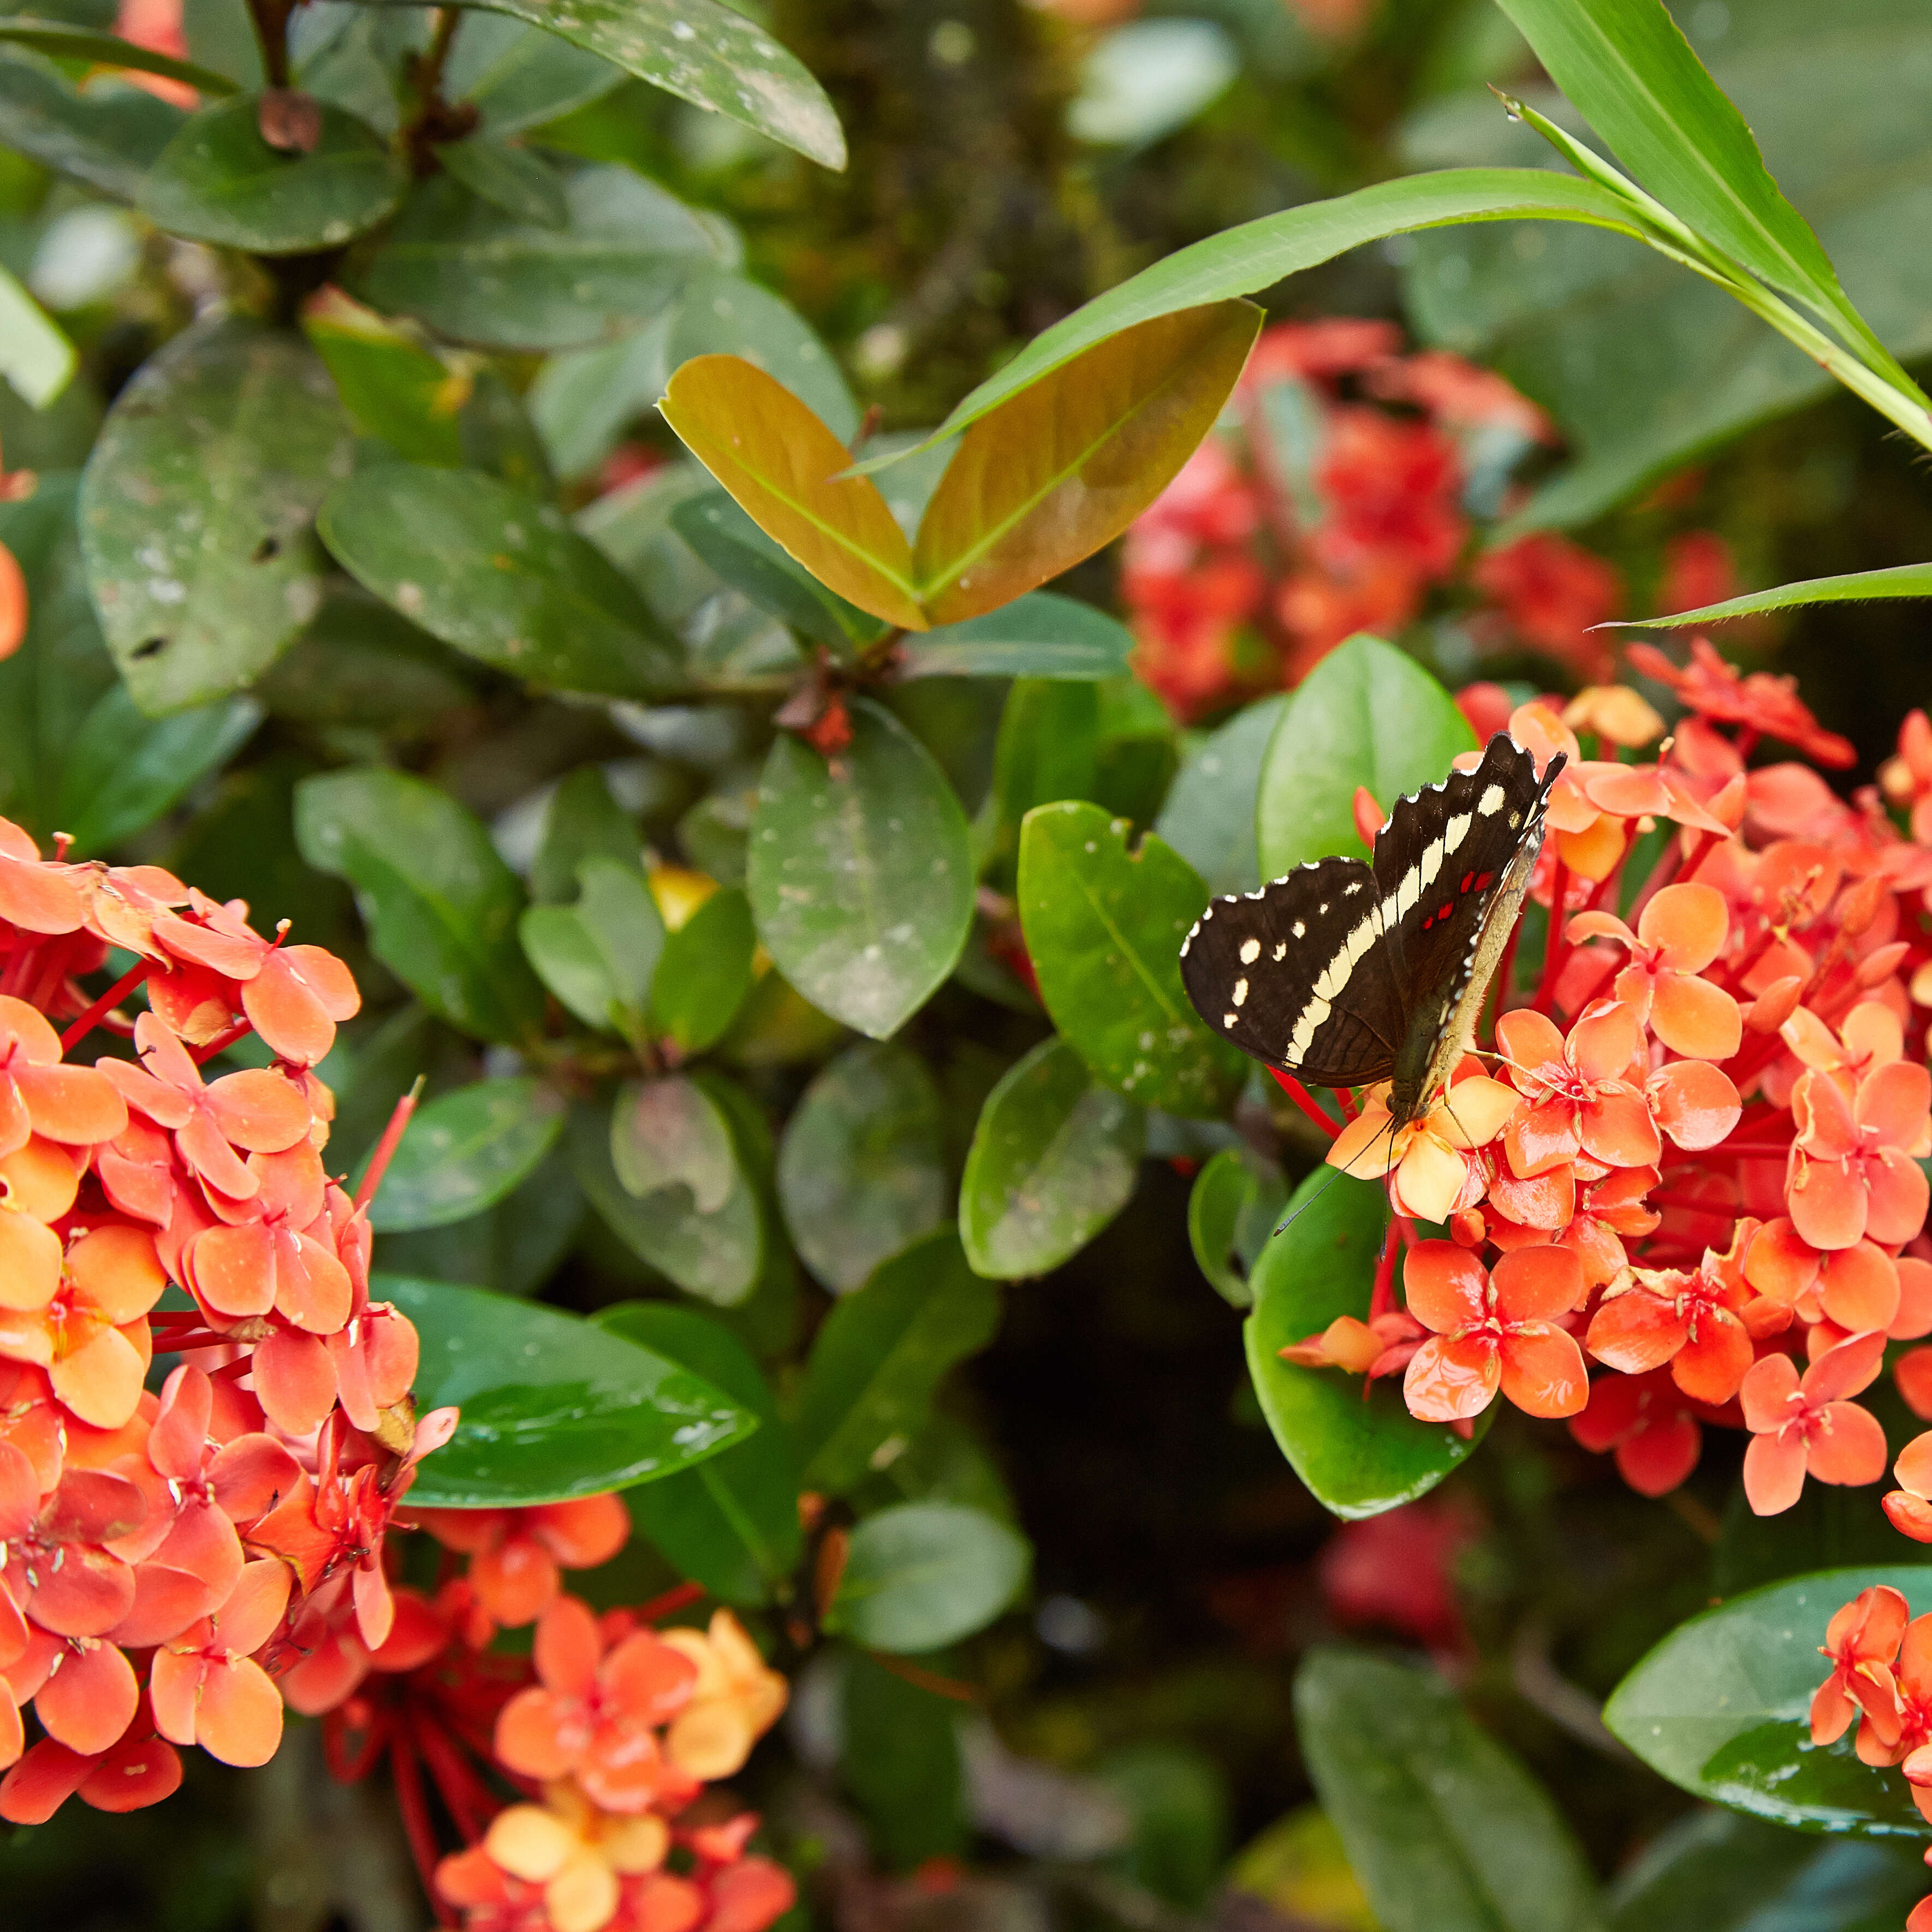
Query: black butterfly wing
1297	975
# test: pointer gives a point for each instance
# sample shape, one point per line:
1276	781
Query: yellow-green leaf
780	462
1063	467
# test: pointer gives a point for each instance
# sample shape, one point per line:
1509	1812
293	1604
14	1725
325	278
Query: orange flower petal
30	1261
1694	1018
1687	926
1543	1371
1850	1449
1538	1284
89	1701
1444	1286
240	1720
1714	1363
1859	1290
1451	1377
1774	1474
1636	1332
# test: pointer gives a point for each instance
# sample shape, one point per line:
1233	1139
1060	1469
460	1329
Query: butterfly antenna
1335	1175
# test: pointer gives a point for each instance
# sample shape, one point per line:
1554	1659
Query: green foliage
919	1575
463	1153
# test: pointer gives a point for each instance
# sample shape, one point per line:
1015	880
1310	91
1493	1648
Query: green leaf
476	275
1209	816
1720	1706
480	565
1104	928
880	1354
1446	1829
1717	1871
860	874
97	49
705	973
584	401
902	1761
1827	1528
440	906
598	955
35	357
108	137
196	509
727	314
1049	748
756	565
1357	1457
1235	1205
862	1168
360	663
518	76
1905	581
1055	1157
122	770
1257	254
1040	635
523	185
731	1523
1176	1800
552	1407
783	465
218	181
464	1151
1051	476
705	53
1366	715
582	821
514	1247
921	1575
1627	67
714	1255
668	1133
393	388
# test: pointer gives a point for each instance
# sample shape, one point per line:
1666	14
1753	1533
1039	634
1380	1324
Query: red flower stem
414	1807
669	1603
464	1794
1405	1227
1699	853
385	1147
1382	1297
1555	950
1345	1101
1746	741
222	1041
1298	1094
1661	874
106	1004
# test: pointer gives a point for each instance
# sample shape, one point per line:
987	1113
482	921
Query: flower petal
1538	1284
1687	925
1774	1473
1543	1371
1451	1377
1444	1285
1694	1018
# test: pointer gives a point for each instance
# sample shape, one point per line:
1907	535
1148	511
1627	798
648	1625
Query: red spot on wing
1445	912
1469	880
1482	883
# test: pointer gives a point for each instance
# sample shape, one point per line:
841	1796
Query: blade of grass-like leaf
1628	68
1902	581
67	42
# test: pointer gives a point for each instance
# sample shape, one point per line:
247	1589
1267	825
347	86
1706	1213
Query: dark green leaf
218	181
1357	1457
463	1152
705	973
667	1133
1237	1202
922	1575
123	771
1039	635
1827	1528
480	565
862	1169
729	314
108	137
523	185
1055	1157
1049	748
514	1247
1104	928
1446	1830
1720	1708
518	76
598	956
582	821
361	663
585	400
196	507
731	1523
860	875
881	1353
902	1762
1209	817
1176	1801
1366	715
441	907
552	1407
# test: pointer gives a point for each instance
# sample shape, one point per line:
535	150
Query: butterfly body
1347	972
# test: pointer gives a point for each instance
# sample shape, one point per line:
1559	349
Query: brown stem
270	19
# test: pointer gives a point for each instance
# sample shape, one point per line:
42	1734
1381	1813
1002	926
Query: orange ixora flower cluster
178	1562
1693	1170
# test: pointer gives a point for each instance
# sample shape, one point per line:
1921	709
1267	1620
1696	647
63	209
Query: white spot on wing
1456	831
1240	992
1281	952
1491	801
1299	931
1251	951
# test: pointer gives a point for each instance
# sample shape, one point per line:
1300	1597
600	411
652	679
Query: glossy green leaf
464	1151
708	54
121	771
35	357
921	1575
1048	748
218	181
522	184
1055	1157
862	1168
1446	1829
68	42
393	387
1255	255
1720	1708
1041	635
714	1253
197	505
1908	580
880	1354
1053	474
860	873
1367	715
479	564
581	821
731	1523
441	907
476	274
552	1407
705	973
1357	1457
107	137
598	956
515	1246
782	465
1209	816
902	1761
1236	1203
668	1133
729	315
1104	927
1719	1871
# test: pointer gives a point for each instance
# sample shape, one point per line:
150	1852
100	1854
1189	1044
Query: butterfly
1345	973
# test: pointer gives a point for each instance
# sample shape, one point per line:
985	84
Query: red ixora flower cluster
1338	495
177	1564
